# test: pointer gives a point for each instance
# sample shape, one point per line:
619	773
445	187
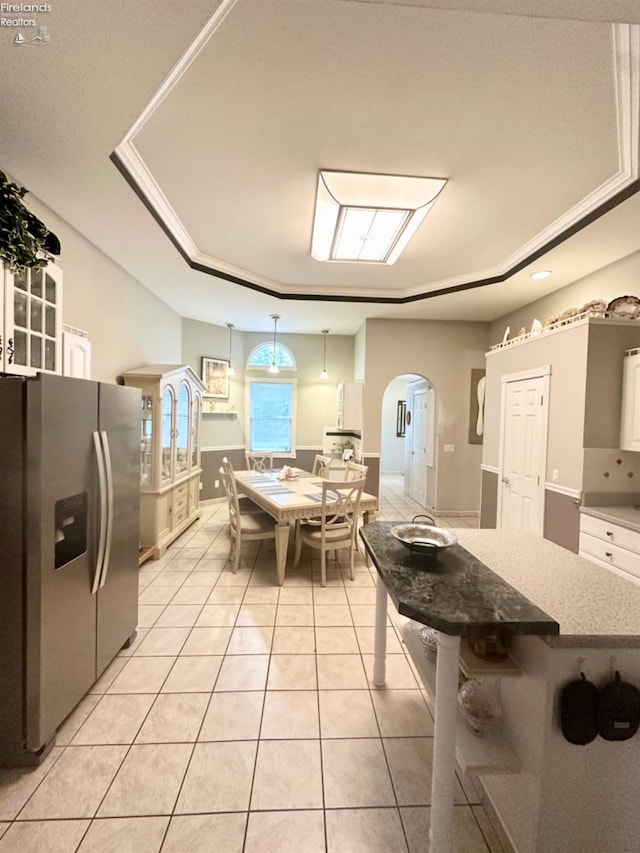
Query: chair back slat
231	492
321	465
355	471
259	461
340	502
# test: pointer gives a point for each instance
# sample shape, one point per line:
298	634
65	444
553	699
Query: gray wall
127	325
566	352
317	398
226	434
603	404
561	520
618	279
444	353
391	446
489	499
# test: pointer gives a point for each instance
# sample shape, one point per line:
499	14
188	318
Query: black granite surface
454	592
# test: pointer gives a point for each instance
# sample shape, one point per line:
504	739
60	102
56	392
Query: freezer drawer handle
102	485
109	473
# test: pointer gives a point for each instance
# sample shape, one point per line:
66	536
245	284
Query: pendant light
324	374
274	367
231	371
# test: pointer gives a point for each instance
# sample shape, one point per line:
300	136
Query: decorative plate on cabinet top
624	306
536	327
567	315
552	320
595	308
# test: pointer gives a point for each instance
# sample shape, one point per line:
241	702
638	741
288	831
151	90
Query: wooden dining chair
244	526
259	461
246	504
321	465
338	524
355	471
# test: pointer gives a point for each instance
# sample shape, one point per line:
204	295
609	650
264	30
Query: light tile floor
244	720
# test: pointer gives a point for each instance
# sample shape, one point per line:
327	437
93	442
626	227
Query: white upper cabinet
349	405
31	315
630	418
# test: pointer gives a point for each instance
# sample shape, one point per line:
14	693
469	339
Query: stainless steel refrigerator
69	539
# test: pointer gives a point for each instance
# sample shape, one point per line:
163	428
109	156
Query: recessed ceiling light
365	218
540	274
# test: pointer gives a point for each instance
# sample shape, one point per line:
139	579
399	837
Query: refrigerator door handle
102	486
109	474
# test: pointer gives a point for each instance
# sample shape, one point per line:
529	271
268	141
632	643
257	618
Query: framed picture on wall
215	375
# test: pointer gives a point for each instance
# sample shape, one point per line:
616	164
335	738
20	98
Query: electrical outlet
200	486
449	448
555	475
216	484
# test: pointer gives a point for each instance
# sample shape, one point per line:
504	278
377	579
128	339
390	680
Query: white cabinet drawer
180	491
179	501
610	554
612	533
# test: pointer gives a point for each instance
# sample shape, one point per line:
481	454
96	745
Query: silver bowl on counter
423	538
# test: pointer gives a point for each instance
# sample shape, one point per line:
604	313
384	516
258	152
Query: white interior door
418	489
523	453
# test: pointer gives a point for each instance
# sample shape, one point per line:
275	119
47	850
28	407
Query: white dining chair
355	471
321	465
338	524
246	504
259	461
243	526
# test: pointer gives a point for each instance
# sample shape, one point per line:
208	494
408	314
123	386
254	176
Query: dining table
290	499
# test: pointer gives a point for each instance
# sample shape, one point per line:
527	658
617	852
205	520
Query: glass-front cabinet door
168	434
146	441
182	429
195	431
32	333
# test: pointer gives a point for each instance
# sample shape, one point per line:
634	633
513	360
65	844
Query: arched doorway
408	468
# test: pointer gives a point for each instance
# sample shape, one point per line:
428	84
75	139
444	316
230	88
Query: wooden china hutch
170	421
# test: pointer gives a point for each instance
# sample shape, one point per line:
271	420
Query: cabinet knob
608	554
609	532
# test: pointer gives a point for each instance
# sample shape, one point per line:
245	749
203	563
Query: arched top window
261	356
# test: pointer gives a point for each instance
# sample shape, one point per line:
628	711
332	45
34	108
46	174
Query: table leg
380	638
282	543
365	520
444	744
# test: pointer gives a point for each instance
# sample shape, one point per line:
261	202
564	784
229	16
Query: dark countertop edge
472	629
547	628
608	513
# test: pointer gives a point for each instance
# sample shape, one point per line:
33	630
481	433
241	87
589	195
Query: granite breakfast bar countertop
592	606
544	791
